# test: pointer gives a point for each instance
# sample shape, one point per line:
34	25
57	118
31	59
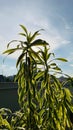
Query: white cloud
7	70
34	20
68	25
66	42
2	44
71	65
56	41
70	57
51	35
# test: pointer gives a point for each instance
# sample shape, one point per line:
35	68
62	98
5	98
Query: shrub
46	107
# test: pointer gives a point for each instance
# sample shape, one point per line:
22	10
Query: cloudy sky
55	16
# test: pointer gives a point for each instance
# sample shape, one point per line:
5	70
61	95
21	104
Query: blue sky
55	16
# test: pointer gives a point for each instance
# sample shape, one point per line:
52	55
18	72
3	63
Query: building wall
9	96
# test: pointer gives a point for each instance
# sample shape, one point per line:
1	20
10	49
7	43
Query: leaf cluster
44	101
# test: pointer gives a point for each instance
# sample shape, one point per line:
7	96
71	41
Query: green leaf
53	64
33	86
20	128
5	123
39	75
42	112
68	94
35	55
56	81
35	34
61	59
39	42
11	42
23	34
21	95
24	28
57	68
49	55
10	51
20	59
